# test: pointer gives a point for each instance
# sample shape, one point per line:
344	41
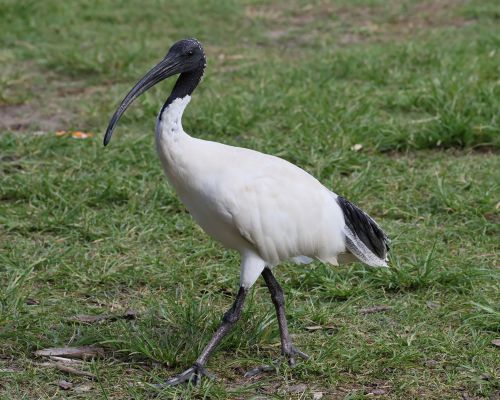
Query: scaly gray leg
195	373
287	348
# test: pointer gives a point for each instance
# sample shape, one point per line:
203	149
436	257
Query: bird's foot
192	375
261	369
290	355
293	353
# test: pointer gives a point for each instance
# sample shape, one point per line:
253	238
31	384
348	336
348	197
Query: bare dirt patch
291	25
429	15
52	105
44	112
28	117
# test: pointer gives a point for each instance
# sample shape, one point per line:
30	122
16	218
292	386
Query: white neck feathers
170	119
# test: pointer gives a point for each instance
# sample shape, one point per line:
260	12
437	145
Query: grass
88	230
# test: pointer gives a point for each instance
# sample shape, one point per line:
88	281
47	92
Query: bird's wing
284	212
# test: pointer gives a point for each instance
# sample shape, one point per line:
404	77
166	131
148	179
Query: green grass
88	230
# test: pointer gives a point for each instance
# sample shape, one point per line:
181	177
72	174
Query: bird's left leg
231	316
288	350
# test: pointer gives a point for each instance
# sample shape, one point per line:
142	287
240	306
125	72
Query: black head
189	52
185	57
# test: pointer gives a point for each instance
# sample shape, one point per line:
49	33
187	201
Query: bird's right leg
288	350
195	373
278	299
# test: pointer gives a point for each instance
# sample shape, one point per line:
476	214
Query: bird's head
184	56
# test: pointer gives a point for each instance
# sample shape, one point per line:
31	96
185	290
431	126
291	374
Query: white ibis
262	206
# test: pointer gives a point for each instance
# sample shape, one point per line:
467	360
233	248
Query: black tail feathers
364	228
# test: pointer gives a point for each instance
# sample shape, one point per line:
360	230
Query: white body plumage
266	208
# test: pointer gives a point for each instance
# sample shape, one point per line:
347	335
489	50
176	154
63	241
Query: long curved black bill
167	67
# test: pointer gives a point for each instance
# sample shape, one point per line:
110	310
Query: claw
295	352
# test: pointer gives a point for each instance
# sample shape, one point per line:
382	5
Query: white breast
195	176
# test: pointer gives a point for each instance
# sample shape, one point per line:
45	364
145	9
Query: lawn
393	104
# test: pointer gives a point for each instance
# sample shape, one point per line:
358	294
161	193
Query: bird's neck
170	119
171	138
184	86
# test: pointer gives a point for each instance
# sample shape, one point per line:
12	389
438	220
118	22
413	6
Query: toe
259	370
181	378
301	353
193	375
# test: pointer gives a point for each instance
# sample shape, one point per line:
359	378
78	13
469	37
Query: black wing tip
365	228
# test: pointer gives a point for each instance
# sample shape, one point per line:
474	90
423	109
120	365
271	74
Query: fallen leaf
465	396
357	147
64	385
375	309
70	370
81	135
65	368
69	361
314	327
377	392
432	305
496	342
320	327
431	363
61	133
317	395
83	388
90	319
82	352
300	388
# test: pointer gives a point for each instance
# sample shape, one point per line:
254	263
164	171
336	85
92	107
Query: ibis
262	206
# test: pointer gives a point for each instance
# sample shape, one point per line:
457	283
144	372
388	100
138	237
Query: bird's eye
190	52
